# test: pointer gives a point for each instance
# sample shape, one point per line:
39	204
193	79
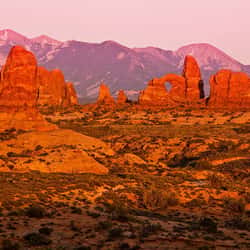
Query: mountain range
120	67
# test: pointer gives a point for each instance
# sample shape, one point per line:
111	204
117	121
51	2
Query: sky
168	24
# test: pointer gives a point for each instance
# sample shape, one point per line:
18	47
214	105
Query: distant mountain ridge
88	64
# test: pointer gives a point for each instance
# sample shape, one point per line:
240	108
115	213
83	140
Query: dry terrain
127	178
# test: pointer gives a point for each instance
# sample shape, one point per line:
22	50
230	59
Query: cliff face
19	93
18	86
186	89
53	90
24	85
229	89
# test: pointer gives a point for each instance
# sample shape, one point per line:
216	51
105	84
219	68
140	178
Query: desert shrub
82	248
240	223
35	211
234	205
104	225
150	228
205	223
45	230
119	211
93	214
10	245
216	181
197	202
208	224
179	161
37	239
13	154
38	147
115	232
243	129
154	199
201	164
76	210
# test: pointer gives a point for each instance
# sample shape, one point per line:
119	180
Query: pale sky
168	24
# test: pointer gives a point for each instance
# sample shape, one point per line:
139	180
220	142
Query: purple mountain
88	64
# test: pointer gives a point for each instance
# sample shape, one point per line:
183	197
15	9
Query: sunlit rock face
105	96
229	89
185	89
121	98
19	93
53	90
19	86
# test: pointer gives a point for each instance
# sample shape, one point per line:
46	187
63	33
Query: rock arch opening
168	86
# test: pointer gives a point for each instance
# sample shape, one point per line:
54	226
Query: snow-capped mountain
87	64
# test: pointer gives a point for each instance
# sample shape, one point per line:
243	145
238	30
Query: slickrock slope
122	98
105	96
229	89
75	153
19	92
186	89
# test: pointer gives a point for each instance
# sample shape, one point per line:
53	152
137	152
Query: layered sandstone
19	93
71	96
53	90
18	87
229	89
185	89
105	96
192	75
122	98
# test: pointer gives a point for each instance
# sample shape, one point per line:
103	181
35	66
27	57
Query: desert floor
133	179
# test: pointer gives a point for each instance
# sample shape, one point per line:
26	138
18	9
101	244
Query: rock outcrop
229	90
192	75
185	89
105	96
74	157
122	98
19	93
53	90
18	87
71	96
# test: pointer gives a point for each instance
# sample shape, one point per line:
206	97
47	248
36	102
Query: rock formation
105	96
186	89
121	98
229	89
53	90
18	86
71	96
155	93
77	159
19	93
192	75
